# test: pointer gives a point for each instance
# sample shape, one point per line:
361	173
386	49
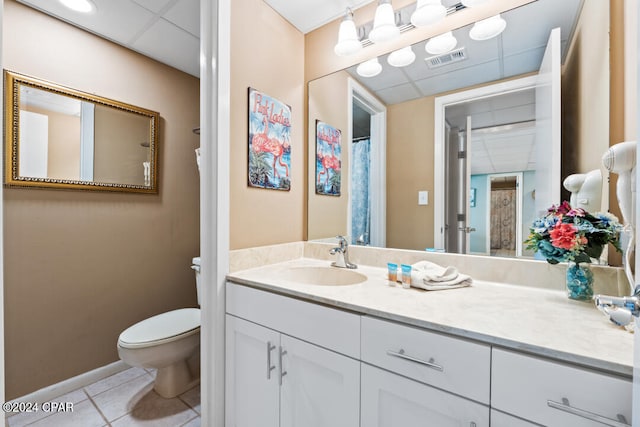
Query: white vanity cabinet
426	369
275	379
557	395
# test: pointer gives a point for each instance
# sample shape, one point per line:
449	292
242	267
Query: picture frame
328	159
472	197
269	134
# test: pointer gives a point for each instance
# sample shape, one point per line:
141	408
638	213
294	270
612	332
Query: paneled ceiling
168	31
165	30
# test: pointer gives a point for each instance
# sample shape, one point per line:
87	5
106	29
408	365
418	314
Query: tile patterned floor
126	399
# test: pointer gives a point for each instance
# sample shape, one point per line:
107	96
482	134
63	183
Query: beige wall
410	156
585	92
267	54
328	103
80	267
118	135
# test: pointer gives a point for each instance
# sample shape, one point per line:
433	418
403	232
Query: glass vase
579	282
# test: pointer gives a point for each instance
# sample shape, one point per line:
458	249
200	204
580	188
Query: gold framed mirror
57	137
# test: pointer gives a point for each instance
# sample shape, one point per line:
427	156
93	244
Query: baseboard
56	390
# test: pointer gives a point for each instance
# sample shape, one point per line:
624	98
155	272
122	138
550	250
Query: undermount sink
324	276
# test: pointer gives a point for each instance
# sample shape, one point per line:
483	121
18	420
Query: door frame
441	102
519	203
378	169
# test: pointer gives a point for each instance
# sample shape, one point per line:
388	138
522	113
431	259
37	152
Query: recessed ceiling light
83	6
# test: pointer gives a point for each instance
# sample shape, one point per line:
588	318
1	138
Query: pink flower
564	236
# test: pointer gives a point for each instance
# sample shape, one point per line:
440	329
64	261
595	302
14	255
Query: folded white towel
430	276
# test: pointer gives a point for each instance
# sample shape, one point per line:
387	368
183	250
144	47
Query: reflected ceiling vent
447	58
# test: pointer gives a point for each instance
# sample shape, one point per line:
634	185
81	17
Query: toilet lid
161	327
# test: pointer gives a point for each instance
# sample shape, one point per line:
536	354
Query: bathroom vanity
372	355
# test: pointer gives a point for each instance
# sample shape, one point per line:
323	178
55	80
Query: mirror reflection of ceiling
518	50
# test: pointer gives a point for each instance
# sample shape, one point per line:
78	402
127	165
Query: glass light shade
473	3
401	57
84	6
370	68
428	12
441	44
384	24
348	42
488	28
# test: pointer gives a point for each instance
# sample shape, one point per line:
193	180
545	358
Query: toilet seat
162	328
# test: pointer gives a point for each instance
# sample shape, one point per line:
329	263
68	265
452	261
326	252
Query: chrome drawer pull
281	353
428	364
566	407
270	368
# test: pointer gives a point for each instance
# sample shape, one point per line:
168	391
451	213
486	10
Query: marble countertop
537	321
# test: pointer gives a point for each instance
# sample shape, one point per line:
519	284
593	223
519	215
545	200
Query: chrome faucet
342	252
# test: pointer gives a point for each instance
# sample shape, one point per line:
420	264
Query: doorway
504	216
366	218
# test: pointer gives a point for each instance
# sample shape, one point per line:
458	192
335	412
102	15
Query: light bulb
401	57
370	68
428	12
348	42
487	28
384	24
441	44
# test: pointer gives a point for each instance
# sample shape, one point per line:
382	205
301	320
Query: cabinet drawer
452	364
555	394
327	327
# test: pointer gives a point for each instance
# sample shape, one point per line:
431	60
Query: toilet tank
195	265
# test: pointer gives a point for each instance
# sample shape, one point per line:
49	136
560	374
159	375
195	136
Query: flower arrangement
573	234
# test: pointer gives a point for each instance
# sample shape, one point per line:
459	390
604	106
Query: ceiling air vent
447	58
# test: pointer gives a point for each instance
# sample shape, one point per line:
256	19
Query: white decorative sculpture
621	159
586	190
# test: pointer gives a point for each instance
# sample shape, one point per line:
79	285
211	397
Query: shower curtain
503	219
360	201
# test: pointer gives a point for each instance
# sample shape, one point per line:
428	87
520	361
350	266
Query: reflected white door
34	144
548	126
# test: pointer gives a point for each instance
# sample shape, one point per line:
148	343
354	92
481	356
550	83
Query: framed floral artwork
269	142
328	163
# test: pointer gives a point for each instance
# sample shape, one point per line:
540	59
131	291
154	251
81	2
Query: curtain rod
362	138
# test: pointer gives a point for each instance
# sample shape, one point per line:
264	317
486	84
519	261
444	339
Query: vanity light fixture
441	44
488	28
384	23
428	12
348	42
83	6
370	68
401	57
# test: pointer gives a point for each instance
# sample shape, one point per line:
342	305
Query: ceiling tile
171	45
186	15
398	94
308	15
156	6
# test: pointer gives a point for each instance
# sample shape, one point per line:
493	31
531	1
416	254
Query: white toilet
168	342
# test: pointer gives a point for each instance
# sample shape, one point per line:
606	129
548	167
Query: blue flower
551	253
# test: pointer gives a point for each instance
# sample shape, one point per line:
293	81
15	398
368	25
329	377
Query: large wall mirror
56	137
416	182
